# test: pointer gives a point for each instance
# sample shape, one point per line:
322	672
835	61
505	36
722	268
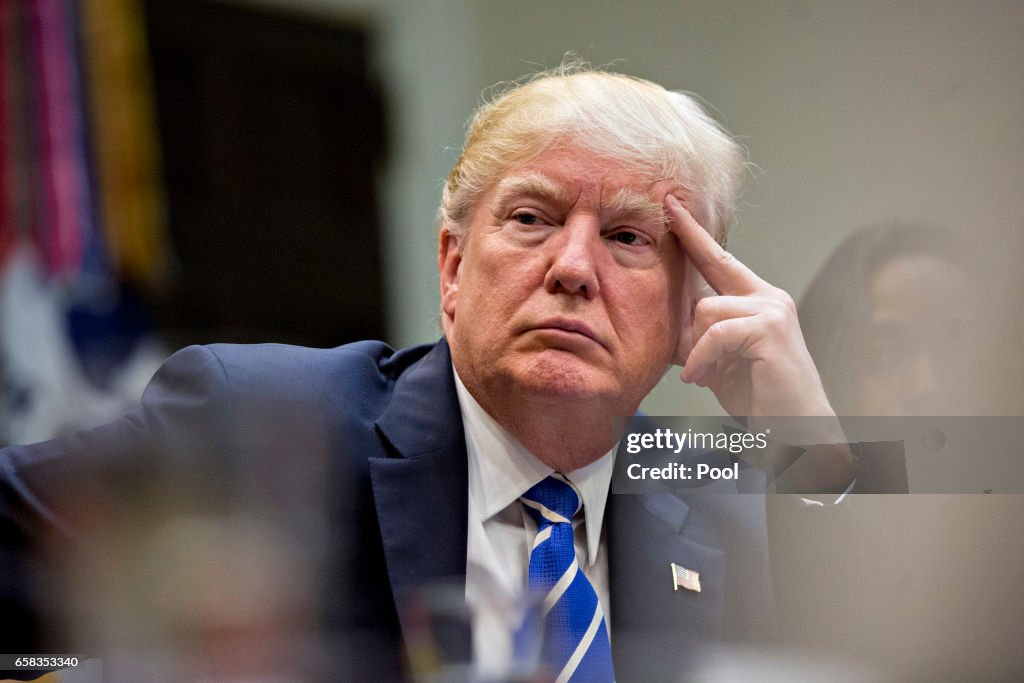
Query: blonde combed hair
658	132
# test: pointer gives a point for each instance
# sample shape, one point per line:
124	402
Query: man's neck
565	434
563	440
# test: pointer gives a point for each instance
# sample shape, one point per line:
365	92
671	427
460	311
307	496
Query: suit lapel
421	497
654	625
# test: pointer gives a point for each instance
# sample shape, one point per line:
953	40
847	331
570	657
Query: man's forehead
531	183
623	197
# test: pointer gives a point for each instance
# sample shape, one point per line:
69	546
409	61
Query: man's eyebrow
624	203
637	207
531	185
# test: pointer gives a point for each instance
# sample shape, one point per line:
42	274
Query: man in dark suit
573	229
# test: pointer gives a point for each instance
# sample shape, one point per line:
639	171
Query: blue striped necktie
575	634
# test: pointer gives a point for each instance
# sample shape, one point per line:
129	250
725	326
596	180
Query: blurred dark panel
271	129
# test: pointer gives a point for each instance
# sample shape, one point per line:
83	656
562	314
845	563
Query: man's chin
563	374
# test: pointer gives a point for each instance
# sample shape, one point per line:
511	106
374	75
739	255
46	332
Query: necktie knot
553	500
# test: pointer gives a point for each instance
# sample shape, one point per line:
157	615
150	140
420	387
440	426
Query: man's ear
685	344
692	293
449	260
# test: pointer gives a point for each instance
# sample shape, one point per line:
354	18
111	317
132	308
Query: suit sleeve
177	415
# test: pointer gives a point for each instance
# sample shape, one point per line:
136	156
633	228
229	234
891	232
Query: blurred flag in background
82	229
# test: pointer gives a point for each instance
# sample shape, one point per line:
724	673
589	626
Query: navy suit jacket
377	434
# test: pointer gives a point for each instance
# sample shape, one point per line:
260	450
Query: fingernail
671	199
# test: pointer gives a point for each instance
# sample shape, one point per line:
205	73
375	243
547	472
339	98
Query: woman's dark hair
835	312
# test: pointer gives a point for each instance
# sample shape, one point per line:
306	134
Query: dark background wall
271	131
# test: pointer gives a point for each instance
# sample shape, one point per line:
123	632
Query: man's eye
629	238
525	218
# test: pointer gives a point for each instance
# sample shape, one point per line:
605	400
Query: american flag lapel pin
685	578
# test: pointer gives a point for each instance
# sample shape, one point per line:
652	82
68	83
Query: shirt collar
501	469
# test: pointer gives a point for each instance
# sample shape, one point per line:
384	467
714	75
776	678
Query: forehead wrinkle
529	185
626	203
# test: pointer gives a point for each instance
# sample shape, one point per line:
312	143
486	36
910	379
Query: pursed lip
569	325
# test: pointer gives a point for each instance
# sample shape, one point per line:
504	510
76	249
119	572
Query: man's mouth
571	327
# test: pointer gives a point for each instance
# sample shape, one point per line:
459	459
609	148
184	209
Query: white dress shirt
501	533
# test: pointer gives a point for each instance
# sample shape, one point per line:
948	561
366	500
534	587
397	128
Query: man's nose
574	257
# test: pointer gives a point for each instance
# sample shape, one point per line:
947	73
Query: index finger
722	270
